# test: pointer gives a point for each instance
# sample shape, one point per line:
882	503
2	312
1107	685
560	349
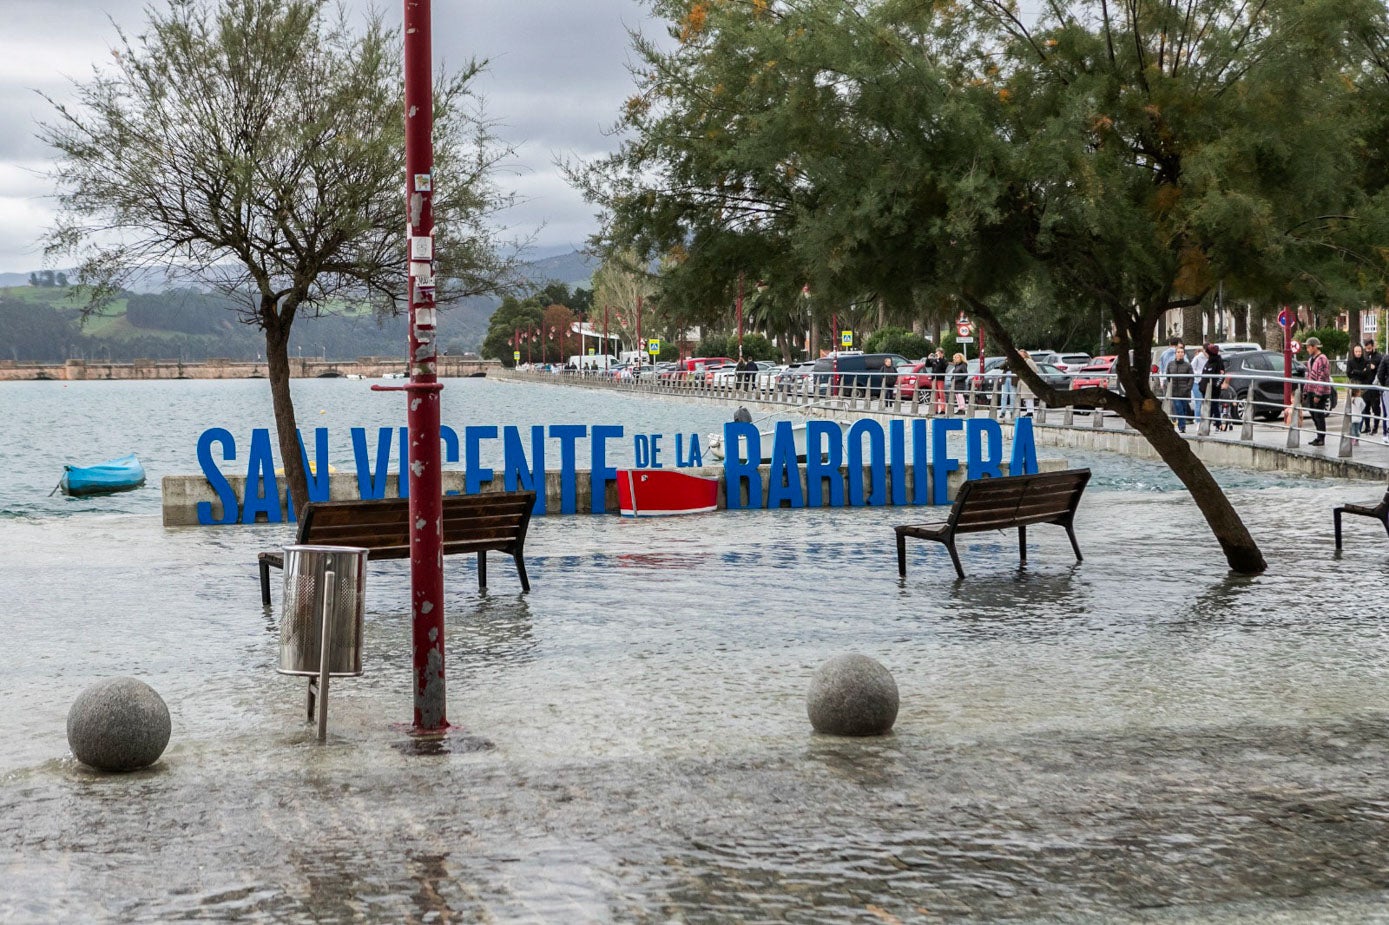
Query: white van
1239	346
595	361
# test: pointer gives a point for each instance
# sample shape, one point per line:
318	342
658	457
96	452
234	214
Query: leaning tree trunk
286	427
1241	552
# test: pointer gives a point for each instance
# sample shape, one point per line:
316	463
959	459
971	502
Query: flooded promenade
1135	738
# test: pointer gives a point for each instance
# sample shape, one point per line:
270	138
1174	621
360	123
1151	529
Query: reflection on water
1138	737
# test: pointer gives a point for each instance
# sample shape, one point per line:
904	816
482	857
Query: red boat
660	492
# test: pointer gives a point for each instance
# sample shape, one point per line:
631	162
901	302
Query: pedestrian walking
1179	374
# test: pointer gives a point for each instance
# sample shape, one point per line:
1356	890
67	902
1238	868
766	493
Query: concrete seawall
299	368
182	493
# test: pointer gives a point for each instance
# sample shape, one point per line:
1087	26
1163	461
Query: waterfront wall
299	368
182	493
1079	436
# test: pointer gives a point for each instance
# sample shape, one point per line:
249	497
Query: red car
908	376
1098	373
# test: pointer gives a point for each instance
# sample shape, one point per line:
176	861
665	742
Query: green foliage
898	340
755	346
1334	341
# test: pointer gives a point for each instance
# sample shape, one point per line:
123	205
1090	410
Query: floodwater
1136	738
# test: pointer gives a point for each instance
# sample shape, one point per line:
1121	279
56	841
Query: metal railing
1253	407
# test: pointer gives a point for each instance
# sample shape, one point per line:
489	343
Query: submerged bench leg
521	571
902	555
1022	544
1336	517
265	581
482	570
954	556
1071	533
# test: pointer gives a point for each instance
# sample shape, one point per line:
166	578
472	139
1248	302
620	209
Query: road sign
846	338
653	346
964	340
964	329
516	356
1296	346
1285	318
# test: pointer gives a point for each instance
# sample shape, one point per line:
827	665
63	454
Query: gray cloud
556	81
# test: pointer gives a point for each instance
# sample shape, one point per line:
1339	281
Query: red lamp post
426	482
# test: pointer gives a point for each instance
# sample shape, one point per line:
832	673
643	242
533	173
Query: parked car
697	367
839	373
1098	373
1051	374
908	378
1253	369
727	374
1070	362
661	370
793	377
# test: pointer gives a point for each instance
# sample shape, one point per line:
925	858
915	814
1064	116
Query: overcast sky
557	79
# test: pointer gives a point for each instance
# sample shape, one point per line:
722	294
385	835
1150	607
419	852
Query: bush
897	340
1334	342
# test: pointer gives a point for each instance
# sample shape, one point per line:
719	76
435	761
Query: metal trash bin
301	626
321	620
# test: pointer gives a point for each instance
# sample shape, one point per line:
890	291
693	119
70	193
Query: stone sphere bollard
852	695
120	724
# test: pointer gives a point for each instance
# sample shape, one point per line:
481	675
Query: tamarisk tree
1112	160
257	147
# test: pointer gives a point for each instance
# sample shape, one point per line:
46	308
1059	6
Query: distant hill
573	269
158	319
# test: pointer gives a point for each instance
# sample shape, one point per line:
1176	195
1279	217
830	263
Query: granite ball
120	724
852	695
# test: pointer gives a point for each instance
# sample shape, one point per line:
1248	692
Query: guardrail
1232	411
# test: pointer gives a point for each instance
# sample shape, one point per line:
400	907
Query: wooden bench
1000	504
472	524
1379	511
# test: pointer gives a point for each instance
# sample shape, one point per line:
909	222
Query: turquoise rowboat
121	474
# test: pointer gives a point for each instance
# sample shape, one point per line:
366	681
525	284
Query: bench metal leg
954	556
902	555
265	578
521	571
1022	544
1336	516
482	570
1071	534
